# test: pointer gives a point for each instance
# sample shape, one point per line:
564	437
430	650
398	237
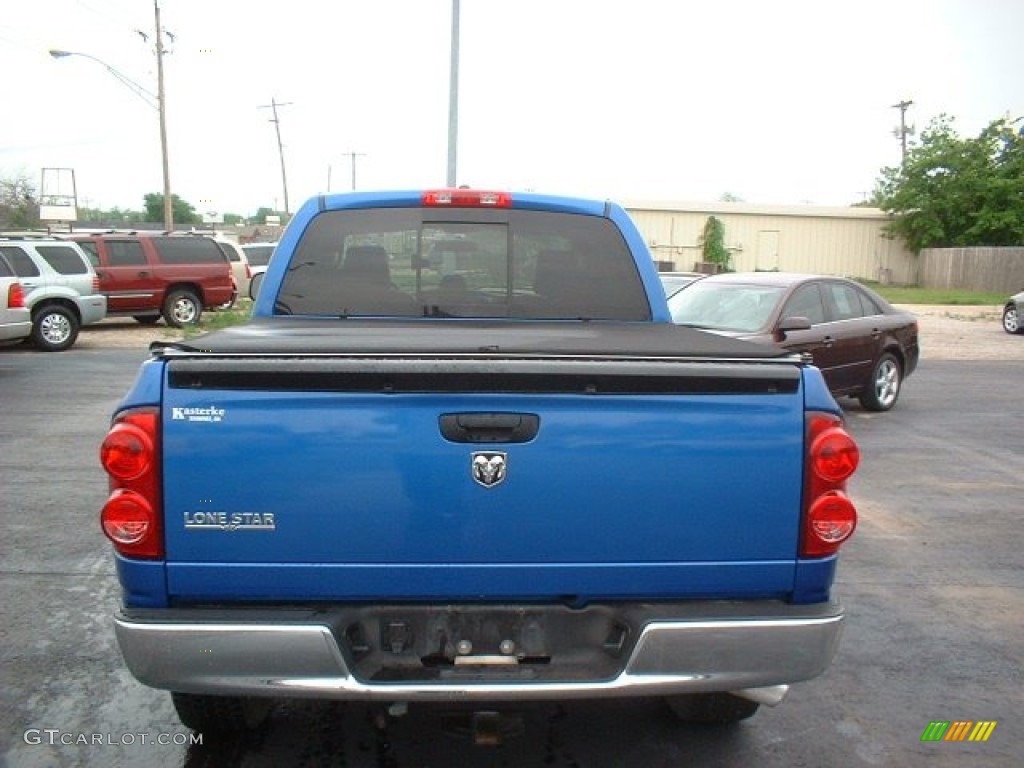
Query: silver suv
61	288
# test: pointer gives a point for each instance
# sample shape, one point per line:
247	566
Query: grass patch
214	321
897	294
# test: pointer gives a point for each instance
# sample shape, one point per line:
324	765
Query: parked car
1011	314
674	282
15	319
151	275
61	288
240	269
863	345
258	255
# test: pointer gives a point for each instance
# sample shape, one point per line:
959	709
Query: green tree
956	192
114	217
712	243
260	217
184	213
19	208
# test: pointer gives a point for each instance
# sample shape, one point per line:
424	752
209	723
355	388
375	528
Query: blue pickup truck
460	453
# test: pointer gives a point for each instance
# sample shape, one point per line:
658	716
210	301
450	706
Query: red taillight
126	452
830	521
467	198
832	457
834	454
130	455
15	296
127	519
95	284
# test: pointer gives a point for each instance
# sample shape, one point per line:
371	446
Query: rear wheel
54	328
1011	319
182	307
883	388
711	708
211	714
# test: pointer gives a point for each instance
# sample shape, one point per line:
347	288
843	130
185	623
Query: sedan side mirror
792	323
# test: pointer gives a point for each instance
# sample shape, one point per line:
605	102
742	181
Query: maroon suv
149	276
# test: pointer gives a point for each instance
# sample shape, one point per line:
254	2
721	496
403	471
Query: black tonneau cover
503	338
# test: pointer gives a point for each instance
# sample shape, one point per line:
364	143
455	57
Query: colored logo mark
958	730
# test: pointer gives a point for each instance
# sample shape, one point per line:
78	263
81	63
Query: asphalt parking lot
932	581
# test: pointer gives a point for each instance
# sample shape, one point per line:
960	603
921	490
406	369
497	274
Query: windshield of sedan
409	262
734	307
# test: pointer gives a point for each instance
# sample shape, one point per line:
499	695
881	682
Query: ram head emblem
488	467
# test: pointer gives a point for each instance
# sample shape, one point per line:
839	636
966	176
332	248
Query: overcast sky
773	102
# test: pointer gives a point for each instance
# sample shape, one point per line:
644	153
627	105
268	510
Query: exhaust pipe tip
769	695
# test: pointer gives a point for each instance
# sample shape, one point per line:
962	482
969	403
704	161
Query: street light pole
147	96
157	101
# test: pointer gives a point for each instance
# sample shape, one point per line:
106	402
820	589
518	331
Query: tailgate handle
489	427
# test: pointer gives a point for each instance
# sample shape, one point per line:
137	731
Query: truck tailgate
332	478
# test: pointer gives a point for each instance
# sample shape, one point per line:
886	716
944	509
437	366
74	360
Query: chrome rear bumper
305	659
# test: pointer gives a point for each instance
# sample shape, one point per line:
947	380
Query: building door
767	257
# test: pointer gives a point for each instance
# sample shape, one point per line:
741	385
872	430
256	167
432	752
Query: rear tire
883	388
54	328
213	714
711	708
182	307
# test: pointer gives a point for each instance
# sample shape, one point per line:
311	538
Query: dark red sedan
863	345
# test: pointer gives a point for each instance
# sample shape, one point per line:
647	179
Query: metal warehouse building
804	238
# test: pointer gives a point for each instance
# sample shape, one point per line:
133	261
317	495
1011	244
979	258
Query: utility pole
273	105
453	97
353	156
904	130
161	106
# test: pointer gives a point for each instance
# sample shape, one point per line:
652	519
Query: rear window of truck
466	263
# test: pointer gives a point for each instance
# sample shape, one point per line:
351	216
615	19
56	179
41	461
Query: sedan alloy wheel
1011	319
884	387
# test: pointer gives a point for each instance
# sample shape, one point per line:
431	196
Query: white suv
258	256
61	288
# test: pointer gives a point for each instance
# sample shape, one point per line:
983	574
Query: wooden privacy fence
993	270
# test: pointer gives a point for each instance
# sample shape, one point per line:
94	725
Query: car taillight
95	284
829	516
130	454
15	296
467	198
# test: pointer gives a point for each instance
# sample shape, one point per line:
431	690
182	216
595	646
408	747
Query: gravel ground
947	333
965	333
